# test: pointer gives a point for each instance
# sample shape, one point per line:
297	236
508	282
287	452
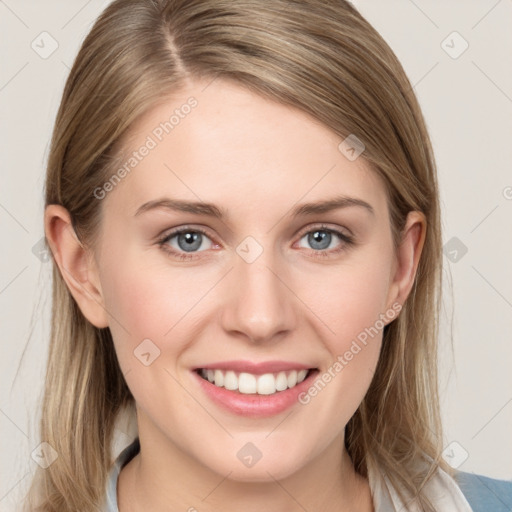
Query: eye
186	240
324	240
184	243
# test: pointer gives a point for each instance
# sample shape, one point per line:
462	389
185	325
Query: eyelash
347	241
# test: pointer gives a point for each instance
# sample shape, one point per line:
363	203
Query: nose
258	305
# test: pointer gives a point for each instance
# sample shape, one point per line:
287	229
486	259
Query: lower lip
254	405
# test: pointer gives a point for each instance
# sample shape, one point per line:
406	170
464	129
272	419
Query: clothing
467	493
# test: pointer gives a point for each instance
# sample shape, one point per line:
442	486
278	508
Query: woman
243	214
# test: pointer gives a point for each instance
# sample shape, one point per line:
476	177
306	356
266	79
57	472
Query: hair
319	56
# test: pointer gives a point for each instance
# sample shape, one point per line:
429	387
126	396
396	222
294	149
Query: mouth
246	383
255	390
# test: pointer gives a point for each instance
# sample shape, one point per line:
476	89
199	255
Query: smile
254	389
249	383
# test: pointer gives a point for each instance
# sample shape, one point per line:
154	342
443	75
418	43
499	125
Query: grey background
467	102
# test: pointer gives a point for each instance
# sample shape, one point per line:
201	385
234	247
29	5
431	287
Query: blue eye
186	240
322	239
184	243
189	240
319	240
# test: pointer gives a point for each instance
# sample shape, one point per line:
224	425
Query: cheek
351	304
152	301
152	318
141	304
350	300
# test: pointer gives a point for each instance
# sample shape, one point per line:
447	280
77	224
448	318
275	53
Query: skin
257	160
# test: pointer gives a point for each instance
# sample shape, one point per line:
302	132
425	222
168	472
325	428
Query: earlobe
76	264
408	256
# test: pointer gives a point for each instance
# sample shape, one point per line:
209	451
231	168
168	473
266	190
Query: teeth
292	379
219	378
266	384
231	381
281	381
247	383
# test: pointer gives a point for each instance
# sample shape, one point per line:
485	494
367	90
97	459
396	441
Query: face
278	300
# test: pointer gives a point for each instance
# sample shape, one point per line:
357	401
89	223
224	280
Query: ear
76	264
407	258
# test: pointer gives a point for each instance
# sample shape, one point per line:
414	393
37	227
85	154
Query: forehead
219	142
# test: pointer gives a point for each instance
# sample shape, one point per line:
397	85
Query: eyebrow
201	208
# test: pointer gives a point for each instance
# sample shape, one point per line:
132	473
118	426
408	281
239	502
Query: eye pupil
189	241
320	237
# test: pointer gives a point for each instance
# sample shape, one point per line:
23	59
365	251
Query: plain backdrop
457	55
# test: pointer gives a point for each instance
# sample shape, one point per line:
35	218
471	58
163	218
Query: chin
278	466
264	474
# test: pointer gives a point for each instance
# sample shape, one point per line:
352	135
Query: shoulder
485	494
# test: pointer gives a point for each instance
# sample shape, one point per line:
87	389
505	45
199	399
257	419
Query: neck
162	477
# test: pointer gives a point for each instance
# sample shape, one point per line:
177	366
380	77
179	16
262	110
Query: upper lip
256	368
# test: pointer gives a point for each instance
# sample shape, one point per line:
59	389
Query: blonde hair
320	56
